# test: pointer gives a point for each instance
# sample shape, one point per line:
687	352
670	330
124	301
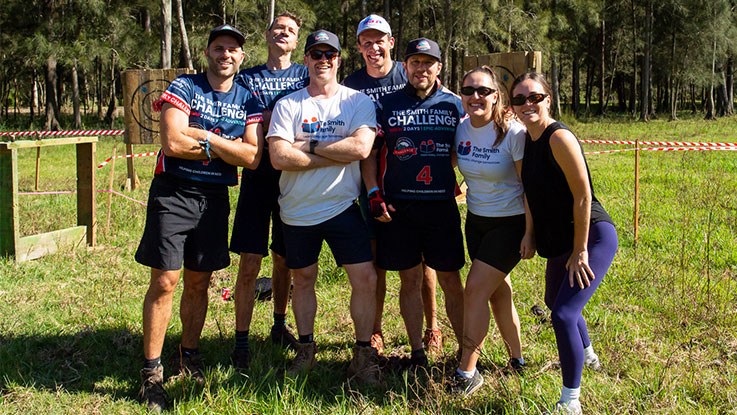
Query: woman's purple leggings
566	303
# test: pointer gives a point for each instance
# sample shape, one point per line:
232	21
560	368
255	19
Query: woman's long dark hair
500	122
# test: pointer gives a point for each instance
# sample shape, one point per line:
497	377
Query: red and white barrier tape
665	149
62	133
153	153
660	143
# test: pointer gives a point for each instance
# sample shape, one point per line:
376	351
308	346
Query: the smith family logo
414	120
404	149
427	146
478	154
321	36
314	126
464	148
423	45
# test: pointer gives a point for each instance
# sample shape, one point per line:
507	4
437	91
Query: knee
560	317
249	267
302	279
450	282
163	282
278	260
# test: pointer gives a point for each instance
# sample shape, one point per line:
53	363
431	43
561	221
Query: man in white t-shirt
317	137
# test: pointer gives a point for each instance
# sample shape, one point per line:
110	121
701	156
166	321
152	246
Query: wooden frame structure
35	246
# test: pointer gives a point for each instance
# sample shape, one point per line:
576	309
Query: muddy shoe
240	359
364	366
517	365
282	336
152	392
305	358
433	341
377	342
562	408
461	385
188	365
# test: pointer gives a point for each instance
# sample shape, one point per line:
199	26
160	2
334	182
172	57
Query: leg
281	282
245	286
157	310
380	290
429	288
363	297
410	304
482	282
193	306
506	317
304	300
450	282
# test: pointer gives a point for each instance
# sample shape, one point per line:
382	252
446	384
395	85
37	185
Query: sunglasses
482	91
533	98
317	54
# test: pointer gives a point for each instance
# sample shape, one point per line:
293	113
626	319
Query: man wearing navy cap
209	125
258	200
415	200
317	137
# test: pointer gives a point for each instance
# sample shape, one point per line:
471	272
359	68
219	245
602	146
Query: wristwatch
313	145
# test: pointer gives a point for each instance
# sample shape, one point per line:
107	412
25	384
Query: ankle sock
241	340
569	394
151	363
363	344
280	320
306	338
466	374
588	354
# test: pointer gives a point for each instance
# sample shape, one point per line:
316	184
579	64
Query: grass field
664	321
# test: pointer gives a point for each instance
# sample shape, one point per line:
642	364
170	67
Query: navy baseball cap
227	30
422	46
322	37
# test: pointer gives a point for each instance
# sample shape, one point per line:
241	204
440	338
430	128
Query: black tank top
550	198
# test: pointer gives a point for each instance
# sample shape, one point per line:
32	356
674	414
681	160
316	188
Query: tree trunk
110	114
729	79
362	7
52	118
555	85
183	36
400	32
165	34
644	110
272	6
387	9
589	86
710	113
34	97
722	95
99	87
633	87
602	102
75	96
448	39
671	79
575	87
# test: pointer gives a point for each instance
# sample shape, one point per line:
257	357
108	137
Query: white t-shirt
313	196
494	189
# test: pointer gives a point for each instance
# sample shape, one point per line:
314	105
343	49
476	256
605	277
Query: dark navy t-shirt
224	113
270	85
376	88
415	139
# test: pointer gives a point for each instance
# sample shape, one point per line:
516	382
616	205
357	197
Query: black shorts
428	230
186	223
258	204
346	235
495	240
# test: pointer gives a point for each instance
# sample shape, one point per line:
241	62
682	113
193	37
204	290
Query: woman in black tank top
572	229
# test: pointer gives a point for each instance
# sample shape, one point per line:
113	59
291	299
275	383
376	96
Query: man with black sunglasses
317	137
420	217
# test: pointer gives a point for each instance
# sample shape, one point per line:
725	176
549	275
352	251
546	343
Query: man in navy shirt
419	219
257	203
209	125
380	76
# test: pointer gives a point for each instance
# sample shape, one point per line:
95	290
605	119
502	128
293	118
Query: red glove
376	204
156	105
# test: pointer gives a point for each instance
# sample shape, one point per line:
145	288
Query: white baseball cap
376	22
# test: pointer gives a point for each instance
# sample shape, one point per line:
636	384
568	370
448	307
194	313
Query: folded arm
284	156
354	147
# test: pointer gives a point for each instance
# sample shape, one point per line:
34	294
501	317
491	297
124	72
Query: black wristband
313	145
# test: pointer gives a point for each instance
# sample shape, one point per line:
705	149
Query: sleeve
516	138
254	108
282	121
179	93
364	114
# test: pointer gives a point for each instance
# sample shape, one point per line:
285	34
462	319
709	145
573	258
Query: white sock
569	394
466	374
588	354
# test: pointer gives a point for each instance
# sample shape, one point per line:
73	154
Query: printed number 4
424	175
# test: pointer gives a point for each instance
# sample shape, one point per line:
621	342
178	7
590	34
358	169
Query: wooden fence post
636	218
8	201
86	190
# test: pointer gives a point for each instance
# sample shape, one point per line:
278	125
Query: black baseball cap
322	37
227	30
422	46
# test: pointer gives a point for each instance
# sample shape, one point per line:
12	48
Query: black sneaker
418	360
517	365
152	392
465	386
282	336
240	359
188	365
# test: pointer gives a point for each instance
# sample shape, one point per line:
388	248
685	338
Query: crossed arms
297	157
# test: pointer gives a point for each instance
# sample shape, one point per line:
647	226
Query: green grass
664	321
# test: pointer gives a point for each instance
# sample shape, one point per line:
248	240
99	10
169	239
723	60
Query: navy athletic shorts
495	240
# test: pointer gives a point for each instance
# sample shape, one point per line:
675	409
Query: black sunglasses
482	91
317	54
519	100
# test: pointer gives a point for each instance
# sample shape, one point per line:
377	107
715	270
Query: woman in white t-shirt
489	152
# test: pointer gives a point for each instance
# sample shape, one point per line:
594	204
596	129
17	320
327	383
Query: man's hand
378	207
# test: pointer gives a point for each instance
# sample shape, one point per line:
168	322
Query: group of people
368	167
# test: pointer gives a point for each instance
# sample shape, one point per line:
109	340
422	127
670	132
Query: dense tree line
643	57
